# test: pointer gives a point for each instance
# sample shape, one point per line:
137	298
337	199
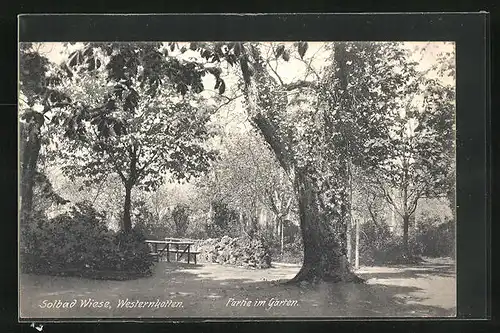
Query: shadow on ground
411	272
207	290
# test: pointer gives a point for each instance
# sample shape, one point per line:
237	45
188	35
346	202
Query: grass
204	290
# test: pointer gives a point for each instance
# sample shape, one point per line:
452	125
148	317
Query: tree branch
114	161
300	84
388	198
372	215
269	132
103	180
229	100
415	202
275	73
273	203
309	67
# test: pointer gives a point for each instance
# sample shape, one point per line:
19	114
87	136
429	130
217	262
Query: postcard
237	179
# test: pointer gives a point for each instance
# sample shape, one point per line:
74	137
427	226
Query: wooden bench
156	256
158	251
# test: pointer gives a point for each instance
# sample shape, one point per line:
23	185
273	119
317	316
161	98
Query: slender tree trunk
127	221
406	210
282	238
129	184
349	224
211	211
393	219
406	224
30	153
357	245
243	223
349	244
451	196
324	256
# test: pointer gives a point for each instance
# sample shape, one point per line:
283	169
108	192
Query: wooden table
179	247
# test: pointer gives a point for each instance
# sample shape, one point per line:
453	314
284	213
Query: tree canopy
145	112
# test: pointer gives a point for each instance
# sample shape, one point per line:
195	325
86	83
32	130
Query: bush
180	218
224	221
78	243
197	226
376	244
436	240
292	242
130	253
148	224
240	251
293	253
270	240
379	246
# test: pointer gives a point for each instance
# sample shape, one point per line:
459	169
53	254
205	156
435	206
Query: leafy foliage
44	194
224	221
247	178
239	251
180	217
132	115
78	243
372	107
135	111
37	97
135	119
147	223
38	80
377	244
292	251
436	240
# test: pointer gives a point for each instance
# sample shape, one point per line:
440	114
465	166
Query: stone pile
240	251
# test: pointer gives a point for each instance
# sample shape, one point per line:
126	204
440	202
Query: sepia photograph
237	179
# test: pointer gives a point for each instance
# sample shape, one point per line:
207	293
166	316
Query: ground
211	290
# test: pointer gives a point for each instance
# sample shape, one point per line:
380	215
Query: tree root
310	275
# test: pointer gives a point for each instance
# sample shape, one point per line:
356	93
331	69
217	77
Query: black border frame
470	31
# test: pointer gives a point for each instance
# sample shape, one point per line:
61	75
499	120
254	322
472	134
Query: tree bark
323	239
324	256
127	221
282	237
30	153
406	224
452	202
349	223
129	184
357	245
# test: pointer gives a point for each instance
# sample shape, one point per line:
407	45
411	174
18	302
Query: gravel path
212	290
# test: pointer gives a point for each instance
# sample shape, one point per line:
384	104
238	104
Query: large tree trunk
324	256
127	221
31	142
323	238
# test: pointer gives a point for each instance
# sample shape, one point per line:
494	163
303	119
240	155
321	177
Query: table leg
189	253
168	252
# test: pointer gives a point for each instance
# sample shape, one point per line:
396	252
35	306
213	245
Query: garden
296	170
